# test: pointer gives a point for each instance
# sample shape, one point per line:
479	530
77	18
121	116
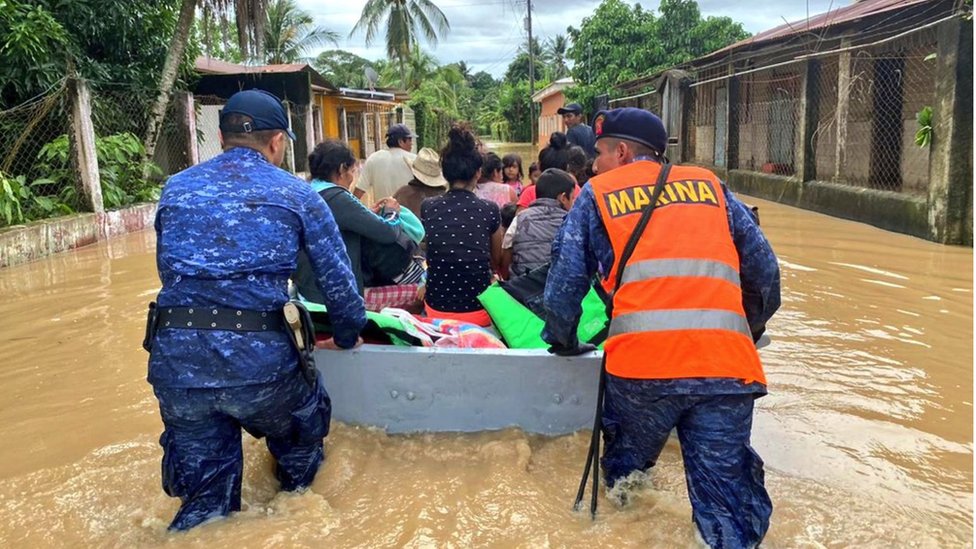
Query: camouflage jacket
228	233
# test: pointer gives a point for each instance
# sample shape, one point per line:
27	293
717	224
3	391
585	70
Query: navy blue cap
632	124
572	108
264	108
400	131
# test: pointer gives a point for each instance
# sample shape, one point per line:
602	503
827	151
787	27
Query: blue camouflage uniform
713	416
228	234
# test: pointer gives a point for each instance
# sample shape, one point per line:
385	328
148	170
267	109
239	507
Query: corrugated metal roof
207	65
846	14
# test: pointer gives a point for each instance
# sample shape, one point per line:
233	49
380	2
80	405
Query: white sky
486	33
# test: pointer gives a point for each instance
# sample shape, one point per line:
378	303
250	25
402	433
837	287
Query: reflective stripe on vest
657	268
691	319
678	311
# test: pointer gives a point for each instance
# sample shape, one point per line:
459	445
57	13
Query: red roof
846	14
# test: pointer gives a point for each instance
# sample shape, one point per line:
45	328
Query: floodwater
866	432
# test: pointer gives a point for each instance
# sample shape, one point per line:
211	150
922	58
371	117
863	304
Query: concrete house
550	99
317	109
824	114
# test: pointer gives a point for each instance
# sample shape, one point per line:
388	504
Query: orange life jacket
678	312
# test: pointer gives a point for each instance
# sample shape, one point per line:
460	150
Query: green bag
522	329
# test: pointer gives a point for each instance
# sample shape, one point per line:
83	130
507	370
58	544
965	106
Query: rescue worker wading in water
228	233
693	298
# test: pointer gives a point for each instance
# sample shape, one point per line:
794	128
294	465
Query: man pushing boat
694	286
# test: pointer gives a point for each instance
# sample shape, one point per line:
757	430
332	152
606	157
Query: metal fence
28	134
41	172
871	107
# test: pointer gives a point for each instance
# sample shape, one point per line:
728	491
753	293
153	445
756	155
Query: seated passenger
381	249
464	236
490	186
558	154
427	181
528	240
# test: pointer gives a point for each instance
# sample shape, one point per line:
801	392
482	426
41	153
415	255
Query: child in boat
512	172
527	243
464	236
490	186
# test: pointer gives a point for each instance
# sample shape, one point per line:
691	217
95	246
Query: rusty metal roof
207	65
846	14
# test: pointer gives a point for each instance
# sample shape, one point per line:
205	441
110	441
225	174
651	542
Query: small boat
439	389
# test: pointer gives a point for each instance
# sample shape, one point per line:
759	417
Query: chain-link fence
871	110
40	173
33	138
767	114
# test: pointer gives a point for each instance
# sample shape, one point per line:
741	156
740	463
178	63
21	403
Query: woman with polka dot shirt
464	236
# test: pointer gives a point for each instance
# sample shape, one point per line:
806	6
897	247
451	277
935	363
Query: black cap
632	124
572	108
263	108
400	131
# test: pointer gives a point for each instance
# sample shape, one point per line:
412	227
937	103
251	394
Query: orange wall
549	120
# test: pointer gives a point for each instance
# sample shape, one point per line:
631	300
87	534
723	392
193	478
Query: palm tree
554	55
404	20
291	33
250	16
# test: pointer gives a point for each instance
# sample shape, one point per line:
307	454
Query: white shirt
509	239
385	171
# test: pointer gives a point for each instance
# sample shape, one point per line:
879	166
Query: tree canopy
620	42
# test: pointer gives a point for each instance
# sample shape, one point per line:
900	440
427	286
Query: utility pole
532	120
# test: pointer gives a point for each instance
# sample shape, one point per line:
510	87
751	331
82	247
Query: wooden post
309	129
951	151
805	148
843	107
189	123
732	122
290	150
82	138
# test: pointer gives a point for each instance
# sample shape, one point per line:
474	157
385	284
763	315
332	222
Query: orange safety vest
678	312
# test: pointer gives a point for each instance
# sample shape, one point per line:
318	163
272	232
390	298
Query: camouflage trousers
730	505
202	456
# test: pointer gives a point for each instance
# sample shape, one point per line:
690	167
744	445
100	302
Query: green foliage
620	42
344	69
33	46
213	30
13	194
290	33
122	170
923	137
20	201
122	41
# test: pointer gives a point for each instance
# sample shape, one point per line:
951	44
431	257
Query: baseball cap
572	108
632	124
263	108
400	131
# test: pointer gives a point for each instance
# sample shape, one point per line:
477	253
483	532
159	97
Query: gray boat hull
418	389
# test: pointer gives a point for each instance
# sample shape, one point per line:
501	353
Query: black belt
215	318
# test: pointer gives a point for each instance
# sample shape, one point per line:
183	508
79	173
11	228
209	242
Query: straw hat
427	168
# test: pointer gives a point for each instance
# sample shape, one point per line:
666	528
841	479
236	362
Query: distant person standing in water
577	131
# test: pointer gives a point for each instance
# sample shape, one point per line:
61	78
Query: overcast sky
486	33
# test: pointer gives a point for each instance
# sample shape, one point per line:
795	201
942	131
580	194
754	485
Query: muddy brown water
866	432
